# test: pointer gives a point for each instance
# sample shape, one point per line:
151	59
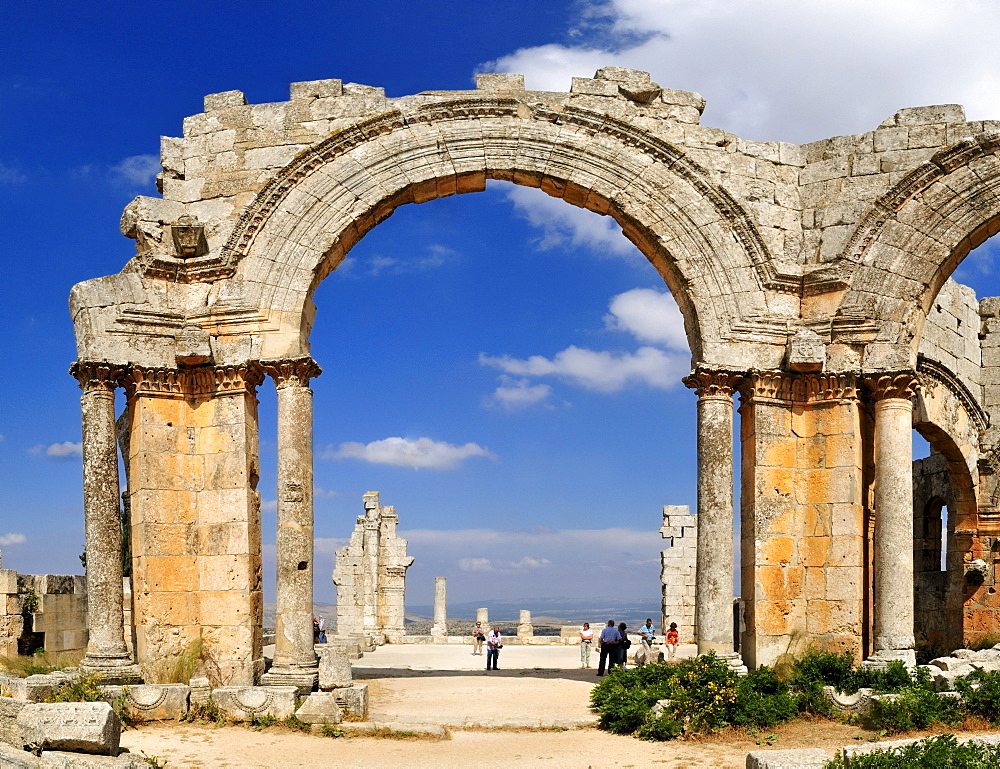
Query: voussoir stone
81	727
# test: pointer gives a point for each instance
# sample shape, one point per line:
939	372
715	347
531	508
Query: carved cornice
713	383
944	375
799	388
291	373
96	376
198	382
901	385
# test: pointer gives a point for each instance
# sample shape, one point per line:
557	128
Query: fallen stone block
244	703
952	664
81	727
353	700
15	758
9	730
59	760
151	702
858	750
33	688
804	758
320	708
965	654
985	739
856	703
334	668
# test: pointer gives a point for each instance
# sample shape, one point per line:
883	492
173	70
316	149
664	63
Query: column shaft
893	605
106	648
294	655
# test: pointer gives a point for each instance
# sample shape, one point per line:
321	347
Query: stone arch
302	224
914	236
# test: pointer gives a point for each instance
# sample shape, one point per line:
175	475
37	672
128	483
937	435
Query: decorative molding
941	373
291	373
198	382
96	376
799	388
901	385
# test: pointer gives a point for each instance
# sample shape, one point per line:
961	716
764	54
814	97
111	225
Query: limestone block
151	702
633	84
499	81
316	89
803	758
320	708
353	699
33	688
963	654
243	703
83	727
15	758
806	351
915	116
57	759
224	99
9	708
8	581
593	87
859	750
334	668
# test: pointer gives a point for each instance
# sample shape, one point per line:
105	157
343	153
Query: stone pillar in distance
107	653
893	545
295	661
524	627
483	615
716	556
439	632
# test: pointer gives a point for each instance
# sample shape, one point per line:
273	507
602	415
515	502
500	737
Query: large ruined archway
261	202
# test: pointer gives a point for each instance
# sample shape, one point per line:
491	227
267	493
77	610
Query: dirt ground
447	686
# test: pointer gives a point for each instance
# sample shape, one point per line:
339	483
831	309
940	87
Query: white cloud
517	394
778	70
475	564
405	452
269	505
64	450
329	545
649	315
9	175
435	255
12	539
563	224
139	170
599	370
493	565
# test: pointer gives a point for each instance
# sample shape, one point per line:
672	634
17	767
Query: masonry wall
42	611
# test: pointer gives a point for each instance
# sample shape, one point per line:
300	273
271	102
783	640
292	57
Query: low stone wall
42	611
508	640
817	758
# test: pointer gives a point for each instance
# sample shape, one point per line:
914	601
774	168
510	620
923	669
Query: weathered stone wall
42	611
678	570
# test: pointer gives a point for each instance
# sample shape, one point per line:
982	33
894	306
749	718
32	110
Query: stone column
107	652
524	627
893	545
483	615
295	661
440	630
716	556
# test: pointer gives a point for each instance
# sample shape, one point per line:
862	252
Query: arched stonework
912	238
804	273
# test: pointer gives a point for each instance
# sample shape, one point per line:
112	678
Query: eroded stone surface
81	727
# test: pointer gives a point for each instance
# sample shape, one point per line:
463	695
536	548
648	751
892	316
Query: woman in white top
586	640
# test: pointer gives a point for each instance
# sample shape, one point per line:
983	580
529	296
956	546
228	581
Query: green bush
705	695
78	689
932	753
893	678
984	699
914	708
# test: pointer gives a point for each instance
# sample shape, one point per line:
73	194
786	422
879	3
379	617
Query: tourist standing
623	645
672	638
610	638
586	639
646	637
494	643
322	629
478	636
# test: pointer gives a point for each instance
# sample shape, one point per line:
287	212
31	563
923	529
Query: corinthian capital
708	383
291	373
96	376
893	384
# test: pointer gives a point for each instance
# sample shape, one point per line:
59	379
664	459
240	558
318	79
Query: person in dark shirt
610	638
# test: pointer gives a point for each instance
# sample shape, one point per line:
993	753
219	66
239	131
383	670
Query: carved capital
202	382
902	385
291	373
96	376
708	383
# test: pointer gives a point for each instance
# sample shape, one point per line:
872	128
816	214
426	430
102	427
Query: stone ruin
677	574
42	611
370	575
814	281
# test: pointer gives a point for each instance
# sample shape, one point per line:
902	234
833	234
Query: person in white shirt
586	640
494	643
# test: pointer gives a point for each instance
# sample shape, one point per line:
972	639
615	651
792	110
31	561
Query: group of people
493	640
615	643
319	630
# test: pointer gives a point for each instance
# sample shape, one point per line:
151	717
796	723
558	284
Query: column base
112	669
881	658
305	679
734	661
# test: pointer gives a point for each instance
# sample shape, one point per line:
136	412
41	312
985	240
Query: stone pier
483	615
678	573
524	627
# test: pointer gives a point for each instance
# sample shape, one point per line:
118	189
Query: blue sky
503	367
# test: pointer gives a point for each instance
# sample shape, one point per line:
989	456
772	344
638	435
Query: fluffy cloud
599	370
497	565
405	452
64	450
772	69
138	170
649	315
516	394
563	225
12	539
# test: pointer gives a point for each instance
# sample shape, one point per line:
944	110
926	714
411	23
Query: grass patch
40	662
941	751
